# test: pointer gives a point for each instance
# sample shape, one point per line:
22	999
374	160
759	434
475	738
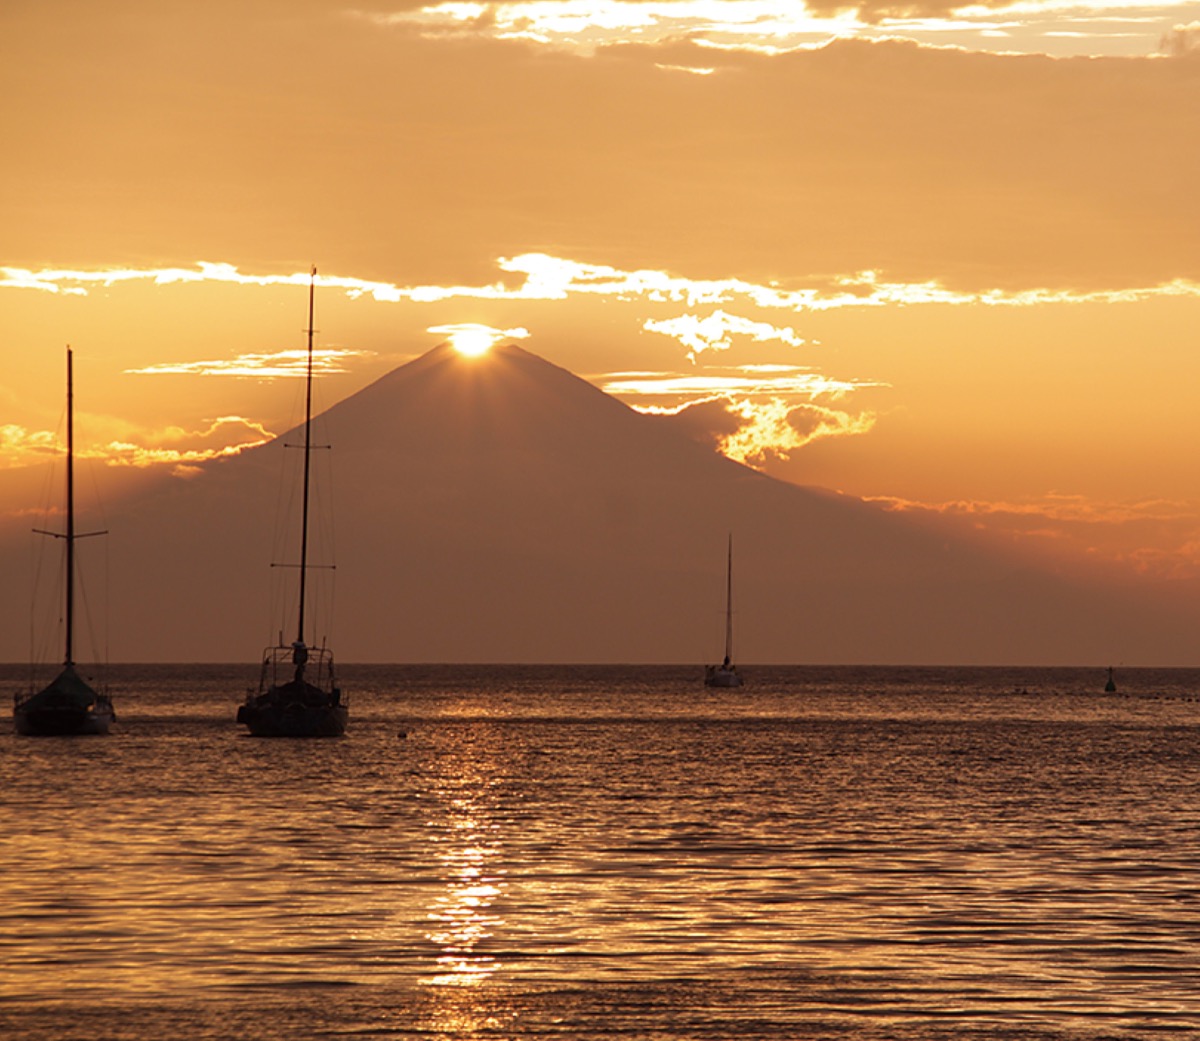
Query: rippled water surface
567	852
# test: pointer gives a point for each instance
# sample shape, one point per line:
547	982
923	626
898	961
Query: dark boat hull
719	676
295	710
66	706
36	722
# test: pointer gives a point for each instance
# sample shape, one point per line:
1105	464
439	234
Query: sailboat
68	705
297	693
726	674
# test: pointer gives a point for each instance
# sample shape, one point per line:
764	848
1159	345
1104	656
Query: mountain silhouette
503	509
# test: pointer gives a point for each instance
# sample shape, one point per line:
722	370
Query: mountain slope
502	509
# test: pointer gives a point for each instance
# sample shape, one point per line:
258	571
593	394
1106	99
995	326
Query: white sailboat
297	694
726	674
69	705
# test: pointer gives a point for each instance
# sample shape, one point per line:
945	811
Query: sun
473	340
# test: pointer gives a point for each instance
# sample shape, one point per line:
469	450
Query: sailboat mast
729	603
307	456
69	654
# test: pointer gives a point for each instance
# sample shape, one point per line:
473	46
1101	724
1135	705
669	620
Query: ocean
612	852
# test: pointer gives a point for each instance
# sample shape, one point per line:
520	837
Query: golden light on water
462	921
461	916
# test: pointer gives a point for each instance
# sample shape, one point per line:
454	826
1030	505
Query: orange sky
942	257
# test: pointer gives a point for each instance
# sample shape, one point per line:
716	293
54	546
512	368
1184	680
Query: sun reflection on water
463	916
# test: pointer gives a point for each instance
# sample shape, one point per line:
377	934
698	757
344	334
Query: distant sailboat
68	705
297	694
1111	686
726	674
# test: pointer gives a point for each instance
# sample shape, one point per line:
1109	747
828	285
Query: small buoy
402	733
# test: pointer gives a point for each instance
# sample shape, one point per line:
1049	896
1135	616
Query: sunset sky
943	257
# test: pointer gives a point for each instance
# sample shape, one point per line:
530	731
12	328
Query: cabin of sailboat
726	674
298	694
69	704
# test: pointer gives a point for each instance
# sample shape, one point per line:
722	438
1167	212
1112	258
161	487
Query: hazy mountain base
503	509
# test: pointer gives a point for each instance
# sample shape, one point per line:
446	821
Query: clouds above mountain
975	170
776	26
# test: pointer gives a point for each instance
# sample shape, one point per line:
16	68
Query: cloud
287	364
475	338
715	331
21	447
175	447
1156	538
755	431
547	277
53	280
773	26
777	428
184	450
583	26
772	380
751	414
707	420
1182	40
918	162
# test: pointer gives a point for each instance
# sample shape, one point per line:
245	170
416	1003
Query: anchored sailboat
297	694
726	674
68	705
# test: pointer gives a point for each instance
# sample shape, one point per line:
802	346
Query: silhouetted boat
726	674
297	694
1111	686
68	705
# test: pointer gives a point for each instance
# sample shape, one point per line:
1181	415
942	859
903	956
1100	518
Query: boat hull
67	706
720	677
295	710
54	722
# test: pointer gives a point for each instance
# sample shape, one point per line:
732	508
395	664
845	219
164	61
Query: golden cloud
63	280
752	413
761	413
585	25
276	365
715	331
546	277
20	446
781	26
182	450
475	338
775	380
1157	538
1182	40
